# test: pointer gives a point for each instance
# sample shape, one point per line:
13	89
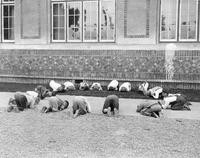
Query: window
74	21
8	20
83	21
58	22
90	22
188	20
107	20
179	20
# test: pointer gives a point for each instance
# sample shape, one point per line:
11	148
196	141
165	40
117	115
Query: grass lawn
30	134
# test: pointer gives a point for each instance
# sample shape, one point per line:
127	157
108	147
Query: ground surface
30	134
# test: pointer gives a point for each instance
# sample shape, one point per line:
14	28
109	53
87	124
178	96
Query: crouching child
55	104
111	105
80	106
150	109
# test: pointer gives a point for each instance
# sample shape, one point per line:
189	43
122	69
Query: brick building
134	40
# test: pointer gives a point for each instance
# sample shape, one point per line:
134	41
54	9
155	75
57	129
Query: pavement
127	106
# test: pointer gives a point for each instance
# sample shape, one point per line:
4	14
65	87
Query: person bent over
125	87
56	87
113	85
22	101
84	86
111	105
80	106
55	104
150	109
176	102
44	92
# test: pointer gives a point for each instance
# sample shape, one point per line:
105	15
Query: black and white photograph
99	78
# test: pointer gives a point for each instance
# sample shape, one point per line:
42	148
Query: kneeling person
150	109
80	106
111	105
55	104
23	101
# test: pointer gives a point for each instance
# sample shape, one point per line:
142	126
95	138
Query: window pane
168	20
61	9
62	21
11	23
8	22
61	34
58	21
5	22
55	34
90	20
188	19
11	10
74	21
6	34
107	20
55	21
55	9
5	11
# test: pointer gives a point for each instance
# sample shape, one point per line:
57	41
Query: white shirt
32	93
54	85
69	85
144	87
155	91
113	85
96	86
125	87
83	86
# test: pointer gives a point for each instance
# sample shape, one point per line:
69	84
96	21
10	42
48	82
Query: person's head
143	87
11	101
65	105
61	88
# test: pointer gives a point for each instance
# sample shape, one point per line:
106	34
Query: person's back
96	87
80	106
55	104
111	105
113	85
125	87
69	86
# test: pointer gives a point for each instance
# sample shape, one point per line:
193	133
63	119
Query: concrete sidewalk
127	106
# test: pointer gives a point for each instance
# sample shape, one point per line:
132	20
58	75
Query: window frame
197	17
82	38
160	28
10	3
178	21
52	15
97	31
102	40
81	22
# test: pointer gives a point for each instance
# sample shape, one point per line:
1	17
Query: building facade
128	40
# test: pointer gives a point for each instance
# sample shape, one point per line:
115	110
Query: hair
66	104
11	101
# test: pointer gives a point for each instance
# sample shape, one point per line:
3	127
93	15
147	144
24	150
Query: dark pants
21	101
111	101
179	103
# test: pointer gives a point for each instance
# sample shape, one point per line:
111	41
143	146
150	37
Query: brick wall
38	66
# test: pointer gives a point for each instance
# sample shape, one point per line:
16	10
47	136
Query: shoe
154	115
44	110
